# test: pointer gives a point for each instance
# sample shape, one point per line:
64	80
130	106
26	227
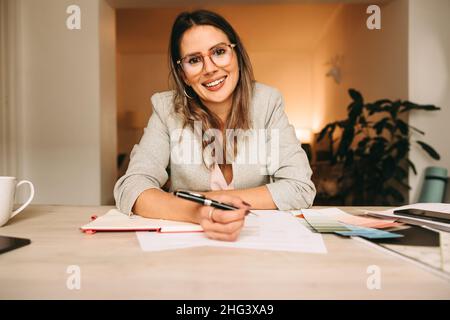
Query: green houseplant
372	148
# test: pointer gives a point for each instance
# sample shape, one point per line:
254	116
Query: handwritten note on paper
270	230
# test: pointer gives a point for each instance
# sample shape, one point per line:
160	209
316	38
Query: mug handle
29	199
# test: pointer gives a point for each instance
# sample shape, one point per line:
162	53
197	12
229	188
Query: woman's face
200	39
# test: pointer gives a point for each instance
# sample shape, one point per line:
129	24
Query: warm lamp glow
304	135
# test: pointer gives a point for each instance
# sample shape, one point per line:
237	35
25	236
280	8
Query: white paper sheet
270	230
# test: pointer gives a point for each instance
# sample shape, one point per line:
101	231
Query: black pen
201	199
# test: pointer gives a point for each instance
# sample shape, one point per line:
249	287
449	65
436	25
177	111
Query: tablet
424	214
9	243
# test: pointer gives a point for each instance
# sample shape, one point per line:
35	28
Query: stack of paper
270	230
341	216
323	223
332	220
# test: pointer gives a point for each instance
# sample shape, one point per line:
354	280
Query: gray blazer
285	170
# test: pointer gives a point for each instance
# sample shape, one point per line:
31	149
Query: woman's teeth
215	83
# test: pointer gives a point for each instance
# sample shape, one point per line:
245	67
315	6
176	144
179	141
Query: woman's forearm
158	204
258	197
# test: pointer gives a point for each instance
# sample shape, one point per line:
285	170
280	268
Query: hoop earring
187	96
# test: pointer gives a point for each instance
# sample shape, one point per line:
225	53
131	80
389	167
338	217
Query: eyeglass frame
231	45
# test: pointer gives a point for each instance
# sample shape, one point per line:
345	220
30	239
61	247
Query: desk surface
114	267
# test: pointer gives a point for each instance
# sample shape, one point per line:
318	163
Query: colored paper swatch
323	224
305	223
357	220
368	233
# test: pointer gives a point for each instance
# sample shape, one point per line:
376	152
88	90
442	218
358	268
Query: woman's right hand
224	225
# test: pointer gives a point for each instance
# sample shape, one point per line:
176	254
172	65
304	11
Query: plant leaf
342	123
396	195
383	101
324	131
346	141
408	106
402	148
388	167
412	166
429	149
380	125
356	96
394	108
417	130
400	173
402	183
402	126
355	111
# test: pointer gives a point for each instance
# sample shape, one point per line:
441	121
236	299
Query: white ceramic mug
8	187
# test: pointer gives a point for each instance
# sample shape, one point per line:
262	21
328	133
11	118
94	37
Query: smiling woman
226	61
217	102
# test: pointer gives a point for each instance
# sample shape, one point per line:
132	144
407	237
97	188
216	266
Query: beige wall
108	103
67	105
8	27
429	81
373	61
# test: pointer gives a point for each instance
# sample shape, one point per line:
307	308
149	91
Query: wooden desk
114	267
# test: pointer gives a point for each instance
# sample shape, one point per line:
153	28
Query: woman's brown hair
192	109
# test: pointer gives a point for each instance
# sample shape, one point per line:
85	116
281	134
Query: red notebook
115	220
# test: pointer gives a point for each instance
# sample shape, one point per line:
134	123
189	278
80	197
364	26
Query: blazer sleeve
148	160
291	187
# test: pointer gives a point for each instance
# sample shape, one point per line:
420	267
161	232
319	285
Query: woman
214	104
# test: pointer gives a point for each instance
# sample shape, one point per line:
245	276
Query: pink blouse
218	181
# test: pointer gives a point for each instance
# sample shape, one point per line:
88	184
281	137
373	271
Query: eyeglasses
220	55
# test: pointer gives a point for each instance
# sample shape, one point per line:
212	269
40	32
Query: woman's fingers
228	228
224	225
225	216
231	200
223	231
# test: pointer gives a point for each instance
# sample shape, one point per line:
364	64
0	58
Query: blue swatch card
368	233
